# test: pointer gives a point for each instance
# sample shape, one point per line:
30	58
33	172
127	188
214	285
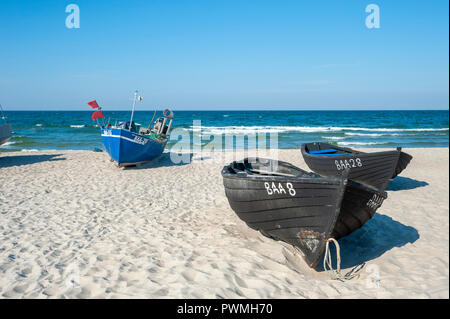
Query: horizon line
223	110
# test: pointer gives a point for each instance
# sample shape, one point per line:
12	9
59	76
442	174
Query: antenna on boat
150	125
136	97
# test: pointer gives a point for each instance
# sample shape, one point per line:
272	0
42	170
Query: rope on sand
335	274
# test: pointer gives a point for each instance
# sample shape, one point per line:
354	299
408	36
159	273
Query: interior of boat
322	149
265	167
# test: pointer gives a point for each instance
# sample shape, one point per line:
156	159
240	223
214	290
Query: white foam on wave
44	150
218	130
38	124
334	138
77	126
9	143
388	134
214	130
381	129
370	134
243	130
360	143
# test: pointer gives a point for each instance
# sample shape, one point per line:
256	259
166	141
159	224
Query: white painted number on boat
291	189
139	140
343	164
274	188
375	201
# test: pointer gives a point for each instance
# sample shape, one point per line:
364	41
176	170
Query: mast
132	111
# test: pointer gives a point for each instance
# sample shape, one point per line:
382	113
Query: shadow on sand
377	236
165	160
19	160
405	183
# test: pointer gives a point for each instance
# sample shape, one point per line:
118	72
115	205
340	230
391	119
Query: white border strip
120	136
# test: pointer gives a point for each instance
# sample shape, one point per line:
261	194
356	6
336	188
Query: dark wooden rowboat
298	207
375	169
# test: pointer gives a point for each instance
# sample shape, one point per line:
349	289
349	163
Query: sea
75	130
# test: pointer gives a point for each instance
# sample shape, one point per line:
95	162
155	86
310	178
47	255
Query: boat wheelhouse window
161	126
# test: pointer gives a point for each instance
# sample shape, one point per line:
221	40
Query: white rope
335	274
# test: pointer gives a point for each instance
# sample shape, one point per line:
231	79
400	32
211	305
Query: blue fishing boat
129	144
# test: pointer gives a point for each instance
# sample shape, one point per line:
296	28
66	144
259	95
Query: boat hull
5	133
128	148
375	169
311	209
358	206
403	161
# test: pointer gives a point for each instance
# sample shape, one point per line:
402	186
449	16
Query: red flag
93	104
97	115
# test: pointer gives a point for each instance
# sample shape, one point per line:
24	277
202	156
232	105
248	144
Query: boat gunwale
158	140
243	174
353	152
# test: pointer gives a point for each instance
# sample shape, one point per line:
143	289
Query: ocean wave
369	134
236	130
334	138
9	143
29	150
431	129
360	143
218	130
303	129
78	126
38	124
383	129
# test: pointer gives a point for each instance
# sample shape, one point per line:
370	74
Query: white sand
167	231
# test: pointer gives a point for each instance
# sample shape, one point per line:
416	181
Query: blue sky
247	54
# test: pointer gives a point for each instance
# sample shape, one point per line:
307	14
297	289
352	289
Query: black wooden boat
375	169
300	208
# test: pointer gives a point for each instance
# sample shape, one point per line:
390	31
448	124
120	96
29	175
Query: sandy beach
73	225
